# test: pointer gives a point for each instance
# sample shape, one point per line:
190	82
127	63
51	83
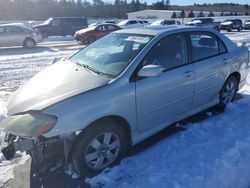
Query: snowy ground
211	153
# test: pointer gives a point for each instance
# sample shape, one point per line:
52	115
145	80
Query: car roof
13	24
106	24
155	30
68	17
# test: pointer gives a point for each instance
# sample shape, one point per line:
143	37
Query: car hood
40	25
227	23
84	30
59	81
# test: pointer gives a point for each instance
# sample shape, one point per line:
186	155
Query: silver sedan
18	35
119	91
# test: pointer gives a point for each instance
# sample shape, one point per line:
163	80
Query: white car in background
166	22
16	34
127	24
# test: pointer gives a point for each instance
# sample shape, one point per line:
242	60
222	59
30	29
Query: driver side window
169	53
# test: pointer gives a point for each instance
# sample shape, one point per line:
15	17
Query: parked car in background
144	22
61	26
18	35
231	24
127	24
93	33
246	24
166	22
204	23
88	109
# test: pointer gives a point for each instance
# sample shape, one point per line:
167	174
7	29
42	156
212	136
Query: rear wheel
102	145
29	43
228	91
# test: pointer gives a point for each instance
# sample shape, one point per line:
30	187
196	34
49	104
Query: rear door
162	100
212	65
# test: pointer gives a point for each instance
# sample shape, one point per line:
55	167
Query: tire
44	34
239	29
91	39
228	92
29	43
100	146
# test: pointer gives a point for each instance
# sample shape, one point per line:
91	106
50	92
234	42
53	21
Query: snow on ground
211	153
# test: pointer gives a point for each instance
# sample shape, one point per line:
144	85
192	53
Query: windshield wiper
94	70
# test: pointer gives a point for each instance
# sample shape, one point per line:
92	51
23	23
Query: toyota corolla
116	92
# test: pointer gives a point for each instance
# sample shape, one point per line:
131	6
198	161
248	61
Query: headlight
29	124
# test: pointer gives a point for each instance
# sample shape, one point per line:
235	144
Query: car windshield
228	20
123	22
111	55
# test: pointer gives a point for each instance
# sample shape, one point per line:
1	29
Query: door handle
188	73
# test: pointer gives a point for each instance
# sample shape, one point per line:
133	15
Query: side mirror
151	71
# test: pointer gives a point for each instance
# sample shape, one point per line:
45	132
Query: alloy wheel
102	150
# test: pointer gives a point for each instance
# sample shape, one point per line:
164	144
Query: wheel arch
122	122
237	76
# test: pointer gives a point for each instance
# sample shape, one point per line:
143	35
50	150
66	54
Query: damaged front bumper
14	146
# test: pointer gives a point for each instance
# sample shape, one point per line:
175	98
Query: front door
163	99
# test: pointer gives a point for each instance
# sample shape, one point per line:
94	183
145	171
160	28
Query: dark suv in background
231	24
61	26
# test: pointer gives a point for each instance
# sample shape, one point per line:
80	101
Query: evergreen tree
174	15
211	14
191	14
182	14
201	14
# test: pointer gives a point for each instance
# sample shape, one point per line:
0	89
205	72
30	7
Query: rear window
74	21
204	45
169	22
15	29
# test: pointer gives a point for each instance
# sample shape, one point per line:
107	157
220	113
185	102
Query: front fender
78	112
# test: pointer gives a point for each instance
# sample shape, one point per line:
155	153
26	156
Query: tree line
43	9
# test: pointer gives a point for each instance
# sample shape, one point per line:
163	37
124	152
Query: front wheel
29	43
101	146
228	91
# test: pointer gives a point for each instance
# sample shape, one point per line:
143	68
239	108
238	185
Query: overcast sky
191	2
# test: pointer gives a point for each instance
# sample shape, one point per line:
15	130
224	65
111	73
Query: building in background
167	14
